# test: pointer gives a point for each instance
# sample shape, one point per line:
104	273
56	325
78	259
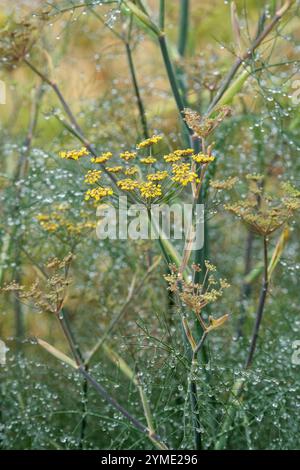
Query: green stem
140	103
183	27
82	368
174	86
260	309
248	54
109	399
194	396
237	388
162	15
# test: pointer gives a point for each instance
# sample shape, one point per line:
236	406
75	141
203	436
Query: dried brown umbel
16	40
50	295
261	211
228	183
197	296
203	126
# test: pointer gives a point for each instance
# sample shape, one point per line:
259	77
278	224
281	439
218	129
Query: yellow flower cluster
183	174
103	158
202	158
92	176
127	155
49	226
55	221
131	171
184	152
145	183
158	176
98	193
148	160
209	266
114	169
172	158
128	184
224	184
74	154
42	217
148	142
150	190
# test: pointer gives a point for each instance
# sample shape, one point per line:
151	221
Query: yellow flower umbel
149	142
74	154
183	174
127	155
98	193
172	158
49	226
128	184
114	169
184	152
92	176
158	176
203	159
150	190
103	158
131	171
148	160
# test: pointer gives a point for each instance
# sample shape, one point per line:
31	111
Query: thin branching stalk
81	367
139	101
60	96
261	306
249	53
135	379
14	237
116	319
238	387
109	399
190	347
194	395
83	425
246	286
75	128
132	70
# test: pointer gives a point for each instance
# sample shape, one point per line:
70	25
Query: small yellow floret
92	176
148	142
104	157
150	190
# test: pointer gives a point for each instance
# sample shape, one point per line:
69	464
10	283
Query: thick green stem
260	309
162	7
194	396
195	413
174	87
183	27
